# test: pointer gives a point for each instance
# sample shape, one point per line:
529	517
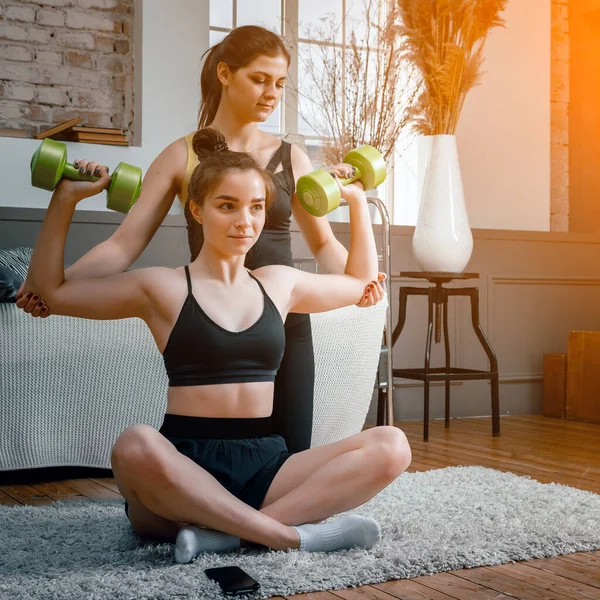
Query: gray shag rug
433	521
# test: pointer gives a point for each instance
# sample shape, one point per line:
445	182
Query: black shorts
241	454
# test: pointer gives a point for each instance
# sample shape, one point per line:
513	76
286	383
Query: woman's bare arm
329	253
115	255
114	297
310	293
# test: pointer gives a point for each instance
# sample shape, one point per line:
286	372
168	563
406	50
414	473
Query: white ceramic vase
442	240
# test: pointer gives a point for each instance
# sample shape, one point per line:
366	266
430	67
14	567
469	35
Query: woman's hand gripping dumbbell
68	193
319	193
342	175
49	165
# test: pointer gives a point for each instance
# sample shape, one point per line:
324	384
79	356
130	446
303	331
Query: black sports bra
201	352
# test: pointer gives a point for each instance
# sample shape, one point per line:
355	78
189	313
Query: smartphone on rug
232	580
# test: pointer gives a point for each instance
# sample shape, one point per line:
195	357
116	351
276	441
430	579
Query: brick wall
64	58
559	122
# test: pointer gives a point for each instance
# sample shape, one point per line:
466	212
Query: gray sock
349	531
191	541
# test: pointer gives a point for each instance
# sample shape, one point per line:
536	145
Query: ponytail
210	86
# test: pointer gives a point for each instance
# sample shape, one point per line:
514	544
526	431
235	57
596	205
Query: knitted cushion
347	344
69	387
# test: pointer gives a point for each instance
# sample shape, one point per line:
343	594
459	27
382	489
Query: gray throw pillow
10	282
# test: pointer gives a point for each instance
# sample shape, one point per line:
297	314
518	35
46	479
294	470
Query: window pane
221	13
332	95
266	13
214	37
362	19
313	97
320	19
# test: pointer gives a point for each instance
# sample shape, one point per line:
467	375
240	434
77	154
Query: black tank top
274	245
201	352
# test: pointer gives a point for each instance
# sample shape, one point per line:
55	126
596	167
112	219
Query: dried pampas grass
444	40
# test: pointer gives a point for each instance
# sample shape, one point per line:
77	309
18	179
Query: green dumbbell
319	193
49	165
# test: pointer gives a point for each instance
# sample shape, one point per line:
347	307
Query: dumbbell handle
73	174
347	180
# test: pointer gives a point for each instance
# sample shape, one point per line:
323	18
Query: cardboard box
555	385
583	376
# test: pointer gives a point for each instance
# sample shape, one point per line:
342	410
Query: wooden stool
438	295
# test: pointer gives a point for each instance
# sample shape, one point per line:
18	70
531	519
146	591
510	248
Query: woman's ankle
290	540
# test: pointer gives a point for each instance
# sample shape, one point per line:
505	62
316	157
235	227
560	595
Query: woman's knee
390	450
138	448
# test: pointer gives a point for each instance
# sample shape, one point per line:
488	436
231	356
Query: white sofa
69	387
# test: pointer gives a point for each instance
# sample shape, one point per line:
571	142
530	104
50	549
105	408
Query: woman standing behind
242	83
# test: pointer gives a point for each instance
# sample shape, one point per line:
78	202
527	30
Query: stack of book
71	131
99	135
60	131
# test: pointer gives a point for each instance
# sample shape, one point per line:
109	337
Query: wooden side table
437	296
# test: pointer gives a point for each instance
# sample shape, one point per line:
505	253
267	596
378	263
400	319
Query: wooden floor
546	449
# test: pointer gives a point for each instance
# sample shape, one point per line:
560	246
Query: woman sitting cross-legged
215	474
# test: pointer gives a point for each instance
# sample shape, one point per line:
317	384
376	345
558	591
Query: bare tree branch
360	92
